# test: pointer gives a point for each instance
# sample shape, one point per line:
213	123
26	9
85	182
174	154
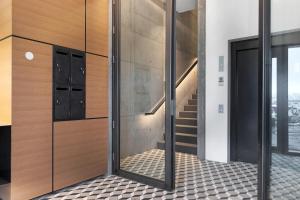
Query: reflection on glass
285	163
294	98
142	86
274	102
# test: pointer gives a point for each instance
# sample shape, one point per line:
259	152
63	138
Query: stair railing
155	108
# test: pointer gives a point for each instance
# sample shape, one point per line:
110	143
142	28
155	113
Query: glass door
284	166
144	112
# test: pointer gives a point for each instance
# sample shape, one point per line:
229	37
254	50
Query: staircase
186	129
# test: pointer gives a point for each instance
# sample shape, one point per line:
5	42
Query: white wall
285	15
227	20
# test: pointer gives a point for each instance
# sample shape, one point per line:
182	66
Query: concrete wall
142	73
201	81
186	37
227	20
185	90
142	69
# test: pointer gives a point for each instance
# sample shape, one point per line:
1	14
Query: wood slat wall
97	27
52	21
58	23
30	87
80	151
96	86
31	120
5	81
5	18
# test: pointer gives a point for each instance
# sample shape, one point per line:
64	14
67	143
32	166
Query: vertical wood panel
5	81
80	151
5	18
32	120
96	86
52	21
97	27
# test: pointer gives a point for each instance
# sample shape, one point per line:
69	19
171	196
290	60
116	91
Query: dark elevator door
247	105
244	101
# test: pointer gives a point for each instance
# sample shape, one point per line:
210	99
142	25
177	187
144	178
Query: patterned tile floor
194	180
150	163
285	177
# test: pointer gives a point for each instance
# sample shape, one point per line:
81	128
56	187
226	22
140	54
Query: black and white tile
150	163
285	177
194	180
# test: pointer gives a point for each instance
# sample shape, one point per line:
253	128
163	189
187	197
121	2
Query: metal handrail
178	82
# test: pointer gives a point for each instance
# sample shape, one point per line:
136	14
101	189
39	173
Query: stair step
186	138
186	121
192	102
186	129
188	114
190	108
180	147
194	96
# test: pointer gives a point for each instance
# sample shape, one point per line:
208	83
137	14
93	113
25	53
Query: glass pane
285	163
142	86
274	102
294	98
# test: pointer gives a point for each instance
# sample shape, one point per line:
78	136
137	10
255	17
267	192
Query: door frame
170	102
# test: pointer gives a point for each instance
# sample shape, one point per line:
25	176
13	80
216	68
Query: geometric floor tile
194	180
150	163
285	177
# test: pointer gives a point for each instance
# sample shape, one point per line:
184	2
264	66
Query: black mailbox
61	67
77	69
62	104
77	104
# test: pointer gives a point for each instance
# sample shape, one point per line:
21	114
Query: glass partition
285	140
142	86
144	82
294	99
274	102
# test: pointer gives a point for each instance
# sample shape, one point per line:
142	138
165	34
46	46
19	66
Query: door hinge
113	156
114	2
113	59
113	30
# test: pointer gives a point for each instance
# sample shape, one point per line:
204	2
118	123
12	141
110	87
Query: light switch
221	81
221	108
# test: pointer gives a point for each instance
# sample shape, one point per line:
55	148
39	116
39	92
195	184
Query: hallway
195	180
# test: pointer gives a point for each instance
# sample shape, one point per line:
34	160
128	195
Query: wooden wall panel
97	27
96	86
80	151
5	18
5	81
32	120
52	21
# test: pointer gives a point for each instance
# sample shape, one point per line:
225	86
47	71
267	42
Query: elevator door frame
170	94
235	46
